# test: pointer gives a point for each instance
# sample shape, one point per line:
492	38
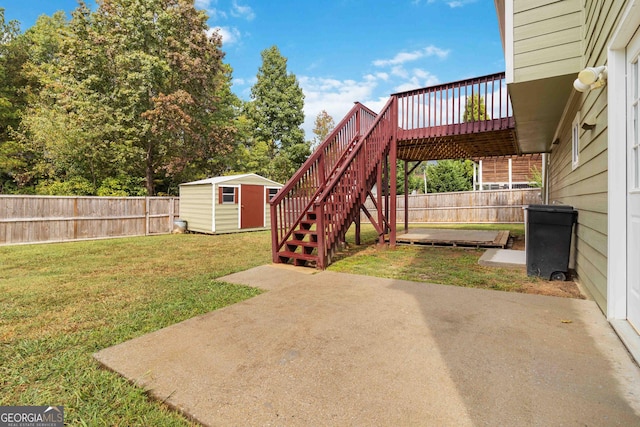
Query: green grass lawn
60	303
442	265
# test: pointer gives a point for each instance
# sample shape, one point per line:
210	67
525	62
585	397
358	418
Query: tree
9	100
137	91
416	180
450	175
324	124
276	113
474	109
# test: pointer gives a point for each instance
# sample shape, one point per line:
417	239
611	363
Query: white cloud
336	97
459	3
230	35
399	72
403	57
240	11
203	4
207	6
416	79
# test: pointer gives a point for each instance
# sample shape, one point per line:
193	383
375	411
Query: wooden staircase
312	213
302	247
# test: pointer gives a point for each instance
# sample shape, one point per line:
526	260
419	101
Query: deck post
406	196
386	192
393	159
379	200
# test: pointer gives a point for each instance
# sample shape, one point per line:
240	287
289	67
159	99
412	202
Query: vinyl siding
547	38
585	187
196	203
227	218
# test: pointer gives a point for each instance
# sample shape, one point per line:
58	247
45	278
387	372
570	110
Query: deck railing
294	200
335	181
467	106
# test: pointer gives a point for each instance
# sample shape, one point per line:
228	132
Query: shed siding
547	38
227	218
201	204
196	207
585	187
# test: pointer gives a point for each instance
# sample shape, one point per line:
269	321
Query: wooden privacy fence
501	206
35	219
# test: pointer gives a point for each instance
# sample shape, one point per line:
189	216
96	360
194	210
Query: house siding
586	186
547	38
196	202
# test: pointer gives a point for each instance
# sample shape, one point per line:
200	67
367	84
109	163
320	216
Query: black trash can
548	240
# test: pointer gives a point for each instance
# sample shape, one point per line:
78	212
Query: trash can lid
550	208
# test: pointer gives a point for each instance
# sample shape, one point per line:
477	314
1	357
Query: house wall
196	203
547	38
585	186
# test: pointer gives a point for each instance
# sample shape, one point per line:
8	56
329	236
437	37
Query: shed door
251	206
633	182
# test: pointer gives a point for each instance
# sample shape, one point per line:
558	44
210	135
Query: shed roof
223	179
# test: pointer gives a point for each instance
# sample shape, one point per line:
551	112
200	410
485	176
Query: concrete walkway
330	349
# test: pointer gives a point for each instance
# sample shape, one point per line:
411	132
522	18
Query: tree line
134	98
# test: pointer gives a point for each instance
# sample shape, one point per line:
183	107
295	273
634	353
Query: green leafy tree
323	126
9	102
276	111
450	175
416	180
475	109
138	90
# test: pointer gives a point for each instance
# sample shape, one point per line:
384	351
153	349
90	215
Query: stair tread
301	243
303	231
298	255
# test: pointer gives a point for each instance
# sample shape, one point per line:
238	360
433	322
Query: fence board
496	206
37	219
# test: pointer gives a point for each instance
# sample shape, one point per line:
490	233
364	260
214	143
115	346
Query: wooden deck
446	237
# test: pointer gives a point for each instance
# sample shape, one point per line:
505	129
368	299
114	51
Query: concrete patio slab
339	349
505	258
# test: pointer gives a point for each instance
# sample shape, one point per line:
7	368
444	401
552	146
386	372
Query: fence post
171	213
75	218
147	220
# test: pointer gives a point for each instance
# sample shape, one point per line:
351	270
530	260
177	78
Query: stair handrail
318	167
328	235
338	173
319	151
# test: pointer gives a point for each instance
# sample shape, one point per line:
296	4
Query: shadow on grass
443	265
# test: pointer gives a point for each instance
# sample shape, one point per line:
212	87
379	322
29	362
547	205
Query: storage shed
227	204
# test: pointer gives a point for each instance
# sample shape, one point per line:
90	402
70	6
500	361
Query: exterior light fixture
591	78
589	123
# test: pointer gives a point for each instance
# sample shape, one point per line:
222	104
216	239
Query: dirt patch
516	243
568	289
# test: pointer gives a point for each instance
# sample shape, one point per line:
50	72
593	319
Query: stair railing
293	201
337	206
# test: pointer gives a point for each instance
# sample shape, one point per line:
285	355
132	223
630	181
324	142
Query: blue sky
342	51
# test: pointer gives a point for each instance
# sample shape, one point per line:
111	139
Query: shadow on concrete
340	349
